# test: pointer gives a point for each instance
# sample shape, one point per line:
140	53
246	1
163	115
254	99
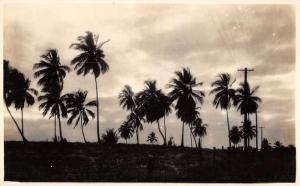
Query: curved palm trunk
60	131
228	126
182	135
55	137
162	135
191	139
97	103
22	121
193	136
23	137
165	128
82	130
199	143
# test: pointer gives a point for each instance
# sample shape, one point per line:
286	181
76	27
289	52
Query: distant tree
278	145
156	105
126	131
152	138
110	137
265	145
224	94
79	110
91	59
248	131
54	104
186	95
128	101
171	141
235	135
199	129
246	101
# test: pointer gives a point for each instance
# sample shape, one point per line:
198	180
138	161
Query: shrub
110	137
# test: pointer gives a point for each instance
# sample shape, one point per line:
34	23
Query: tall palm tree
248	132
54	104
235	135
186	95
17	91
199	129
50	71
90	59
224	94
155	104
128	101
126	131
79	109
246	102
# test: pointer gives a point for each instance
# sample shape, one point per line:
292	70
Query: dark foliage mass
144	163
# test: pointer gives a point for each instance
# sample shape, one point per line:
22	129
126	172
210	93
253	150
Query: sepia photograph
149	92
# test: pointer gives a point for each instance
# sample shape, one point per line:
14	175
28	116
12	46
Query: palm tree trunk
162	135
55	137
199	145
165	128
228	128
82	130
60	131
97	104
23	137
22	121
137	136
182	135
256	140
193	136
245	138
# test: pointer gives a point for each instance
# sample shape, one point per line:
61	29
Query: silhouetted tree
17	91
224	94
79	109
199	129
110	137
246	102
235	135
54	104
128	101
50	71
152	138
186	95
171	141
278	145
126	131
90	59
248	131
265	145
156	105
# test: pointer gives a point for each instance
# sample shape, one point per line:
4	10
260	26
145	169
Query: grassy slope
92	162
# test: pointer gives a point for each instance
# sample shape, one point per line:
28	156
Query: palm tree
50	71
91	59
152	138
126	131
128	101
54	104
246	101
265	145
224	94
156	105
199	129
110	137
186	95
235	135
248	132
17	91
79	109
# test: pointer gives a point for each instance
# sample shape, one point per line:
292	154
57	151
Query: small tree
152	138
126	131
110	137
171	141
265	145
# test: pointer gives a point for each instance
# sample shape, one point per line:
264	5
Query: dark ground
77	162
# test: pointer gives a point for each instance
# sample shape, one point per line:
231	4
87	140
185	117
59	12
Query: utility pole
261	135
245	70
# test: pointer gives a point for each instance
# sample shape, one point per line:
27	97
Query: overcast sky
151	42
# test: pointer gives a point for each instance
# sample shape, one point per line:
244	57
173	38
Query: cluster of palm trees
51	73
150	105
